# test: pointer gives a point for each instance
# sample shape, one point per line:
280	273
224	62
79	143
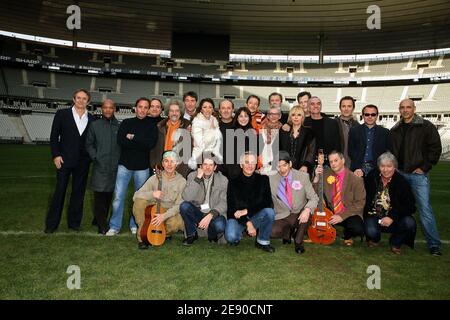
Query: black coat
304	150
400	194
102	146
65	139
357	142
331	135
423	146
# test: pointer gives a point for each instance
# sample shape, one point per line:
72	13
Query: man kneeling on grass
294	199
345	196
173	185
390	205
250	205
205	202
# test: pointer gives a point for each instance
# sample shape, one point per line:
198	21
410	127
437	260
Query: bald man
101	144
417	146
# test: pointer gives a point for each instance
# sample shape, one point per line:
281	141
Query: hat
170	153
284	155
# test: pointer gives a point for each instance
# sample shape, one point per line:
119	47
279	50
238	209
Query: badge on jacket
296	185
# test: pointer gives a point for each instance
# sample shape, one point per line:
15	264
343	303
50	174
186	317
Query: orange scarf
171	128
257	120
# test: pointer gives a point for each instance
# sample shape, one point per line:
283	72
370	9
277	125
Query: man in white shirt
67	143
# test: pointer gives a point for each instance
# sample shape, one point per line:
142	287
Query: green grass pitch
33	265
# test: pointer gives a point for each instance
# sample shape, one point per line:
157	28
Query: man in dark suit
67	142
346	121
367	142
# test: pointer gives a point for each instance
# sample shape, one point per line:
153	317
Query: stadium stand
38	106
122	116
36	93
3	90
8	131
429	97
38	126
364	69
14	80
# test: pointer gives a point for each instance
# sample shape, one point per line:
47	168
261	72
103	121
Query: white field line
57	233
94	234
26	177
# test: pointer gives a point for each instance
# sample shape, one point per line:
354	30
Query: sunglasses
370	114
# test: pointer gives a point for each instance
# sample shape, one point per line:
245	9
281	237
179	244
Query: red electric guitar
320	230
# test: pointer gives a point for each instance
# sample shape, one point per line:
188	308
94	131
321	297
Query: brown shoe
396	250
372	244
348	242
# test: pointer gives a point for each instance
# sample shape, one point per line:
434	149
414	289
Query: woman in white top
206	134
269	133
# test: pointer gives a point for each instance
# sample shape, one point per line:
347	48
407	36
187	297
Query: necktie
338	206
288	192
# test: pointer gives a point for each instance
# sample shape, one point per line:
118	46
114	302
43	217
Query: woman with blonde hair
299	141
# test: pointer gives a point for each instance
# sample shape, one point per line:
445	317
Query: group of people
228	173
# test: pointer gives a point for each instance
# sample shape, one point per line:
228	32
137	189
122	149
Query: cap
284	155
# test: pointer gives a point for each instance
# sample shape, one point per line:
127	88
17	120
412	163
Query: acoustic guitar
151	234
320	230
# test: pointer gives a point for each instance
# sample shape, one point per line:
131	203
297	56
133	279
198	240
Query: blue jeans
401	230
122	181
192	216
262	221
420	186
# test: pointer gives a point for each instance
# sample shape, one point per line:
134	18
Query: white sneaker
133	230
111	232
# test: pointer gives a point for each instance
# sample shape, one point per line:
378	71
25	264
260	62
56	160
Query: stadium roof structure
286	27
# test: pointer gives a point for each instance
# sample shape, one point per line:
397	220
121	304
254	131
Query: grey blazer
304	197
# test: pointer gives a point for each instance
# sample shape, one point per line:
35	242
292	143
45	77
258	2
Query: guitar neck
158	202
320	205
320	161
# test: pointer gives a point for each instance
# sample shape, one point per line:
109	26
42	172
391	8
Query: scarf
171	128
257	119
269	126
